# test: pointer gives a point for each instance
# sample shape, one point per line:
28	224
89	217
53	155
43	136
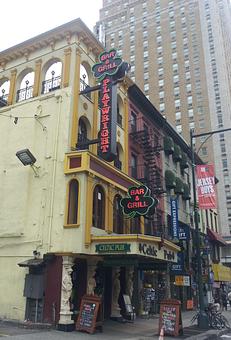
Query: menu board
89	309
170	317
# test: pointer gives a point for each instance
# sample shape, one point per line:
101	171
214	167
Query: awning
31	263
216	237
221	273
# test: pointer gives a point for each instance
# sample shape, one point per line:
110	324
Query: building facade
62	233
179	53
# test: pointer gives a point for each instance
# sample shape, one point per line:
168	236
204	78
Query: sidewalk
141	329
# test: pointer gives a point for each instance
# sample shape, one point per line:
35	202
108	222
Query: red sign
206	186
107	103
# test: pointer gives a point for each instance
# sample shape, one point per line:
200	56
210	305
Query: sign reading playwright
113	248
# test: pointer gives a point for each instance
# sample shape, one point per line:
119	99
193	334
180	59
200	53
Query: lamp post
202	317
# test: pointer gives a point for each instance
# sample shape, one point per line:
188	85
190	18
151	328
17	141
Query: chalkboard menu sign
89	318
170	317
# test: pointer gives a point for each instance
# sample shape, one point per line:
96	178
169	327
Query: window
188	88
146	75
133	122
134	165
179	128
162	107
177	103
161	82
176	91
72	215
117	216
189	100
145	54
160	71
159	49
176	79
190	113
202	124
98	220
146	87
178	115
161	94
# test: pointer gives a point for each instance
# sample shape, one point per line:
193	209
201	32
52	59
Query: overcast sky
23	19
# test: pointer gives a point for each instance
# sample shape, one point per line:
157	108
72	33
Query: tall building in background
180	53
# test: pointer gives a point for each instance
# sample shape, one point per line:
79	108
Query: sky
24	19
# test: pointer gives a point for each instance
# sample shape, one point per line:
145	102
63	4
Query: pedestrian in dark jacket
224	300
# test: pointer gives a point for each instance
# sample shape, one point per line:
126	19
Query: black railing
24	94
3	100
84	86
51	84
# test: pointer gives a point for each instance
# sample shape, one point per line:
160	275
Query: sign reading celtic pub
106	71
138	201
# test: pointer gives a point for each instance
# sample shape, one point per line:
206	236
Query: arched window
26	87
84	80
82	135
72	215
4	92
98	208
52	80
118	220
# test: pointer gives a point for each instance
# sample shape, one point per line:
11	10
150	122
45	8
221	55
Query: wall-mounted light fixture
27	158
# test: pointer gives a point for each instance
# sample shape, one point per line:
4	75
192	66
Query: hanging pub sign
174	218
108	71
138	201
206	186
108	65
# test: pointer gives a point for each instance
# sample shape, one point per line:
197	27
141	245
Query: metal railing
51	84
24	94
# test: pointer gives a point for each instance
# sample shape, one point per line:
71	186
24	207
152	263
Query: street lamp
27	158
202	316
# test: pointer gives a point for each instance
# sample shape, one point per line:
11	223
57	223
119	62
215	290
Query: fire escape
149	144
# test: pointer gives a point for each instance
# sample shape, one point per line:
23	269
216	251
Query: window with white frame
176	78
161	94
161	82
190	113
162	107
176	91
160	72
177	103
188	88
179	128
146	87
178	115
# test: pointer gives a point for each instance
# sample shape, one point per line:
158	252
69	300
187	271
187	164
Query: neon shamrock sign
138	201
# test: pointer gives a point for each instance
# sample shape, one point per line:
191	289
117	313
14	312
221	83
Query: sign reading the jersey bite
138	201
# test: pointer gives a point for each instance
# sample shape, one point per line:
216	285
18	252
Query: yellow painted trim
142	225
171	245
110	200
126	135
74	130
37	75
107	208
141	238
12	87
89	212
66	67
95	121
71	226
85	166
66	225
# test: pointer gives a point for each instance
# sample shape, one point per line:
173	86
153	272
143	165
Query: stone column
65	322
129	281
115	309
91	284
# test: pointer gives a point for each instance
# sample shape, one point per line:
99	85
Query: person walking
229	298
224	300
